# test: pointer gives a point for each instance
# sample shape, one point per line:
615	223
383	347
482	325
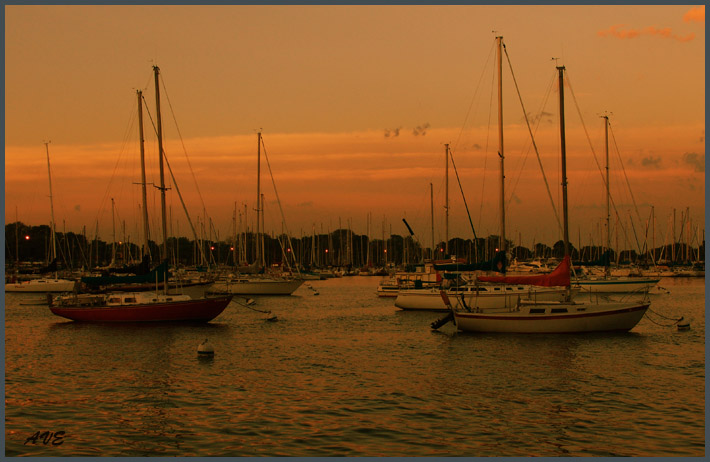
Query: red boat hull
201	310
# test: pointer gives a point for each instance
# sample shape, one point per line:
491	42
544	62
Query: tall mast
51	205
608	211
653	236
164	246
113	228
433	244
146	232
502	244
258	196
561	70
446	234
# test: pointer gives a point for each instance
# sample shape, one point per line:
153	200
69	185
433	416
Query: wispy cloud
695	14
392	132
621	32
420	129
695	160
651	162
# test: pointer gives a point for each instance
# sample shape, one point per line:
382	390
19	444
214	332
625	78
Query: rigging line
104	199
278	200
633	228
623	169
184	207
527	121
485	152
586	132
473	99
194	178
539	120
464	196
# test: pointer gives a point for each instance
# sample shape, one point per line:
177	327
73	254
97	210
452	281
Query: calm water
346	374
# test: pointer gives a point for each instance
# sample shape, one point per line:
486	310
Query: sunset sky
355	104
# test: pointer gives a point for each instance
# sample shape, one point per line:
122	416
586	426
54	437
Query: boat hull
616	285
610	317
41	285
200	310
507	297
258	287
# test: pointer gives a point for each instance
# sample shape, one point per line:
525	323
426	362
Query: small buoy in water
205	349
249	301
683	324
272	318
316	293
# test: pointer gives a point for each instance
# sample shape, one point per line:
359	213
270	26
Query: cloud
619	32
651	162
394	132
695	160
421	129
695	14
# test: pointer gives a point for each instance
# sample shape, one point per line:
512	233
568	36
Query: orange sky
355	103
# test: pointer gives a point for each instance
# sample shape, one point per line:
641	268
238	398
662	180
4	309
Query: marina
355	230
345	373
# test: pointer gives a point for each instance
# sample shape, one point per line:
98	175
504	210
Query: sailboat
607	283
482	292
141	306
45	284
256	284
567	316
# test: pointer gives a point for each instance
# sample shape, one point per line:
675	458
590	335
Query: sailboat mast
258	196
146	248
565	215
608	209
433	244
446	233
51	205
113	235
164	246
502	244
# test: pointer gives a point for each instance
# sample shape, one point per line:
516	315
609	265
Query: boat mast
433	244
51	206
446	234
146	235
113	228
502	244
164	246
258	197
565	215
608	211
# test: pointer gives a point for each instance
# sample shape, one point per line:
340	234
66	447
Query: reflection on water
346	374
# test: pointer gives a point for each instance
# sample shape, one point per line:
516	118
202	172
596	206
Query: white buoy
316	293
683	324
250	301
205	349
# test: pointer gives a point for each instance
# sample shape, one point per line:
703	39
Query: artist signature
53	438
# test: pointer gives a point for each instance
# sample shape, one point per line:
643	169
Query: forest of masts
340	248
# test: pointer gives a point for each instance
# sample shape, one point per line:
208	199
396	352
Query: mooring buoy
205	349
683	324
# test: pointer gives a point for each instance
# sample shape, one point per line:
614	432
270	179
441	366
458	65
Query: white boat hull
503	296
548	319
258	286
616	285
41	285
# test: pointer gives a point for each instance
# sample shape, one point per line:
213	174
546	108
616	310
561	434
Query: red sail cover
559	277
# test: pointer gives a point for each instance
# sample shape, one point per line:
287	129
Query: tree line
340	248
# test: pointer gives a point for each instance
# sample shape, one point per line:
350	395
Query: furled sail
559	277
